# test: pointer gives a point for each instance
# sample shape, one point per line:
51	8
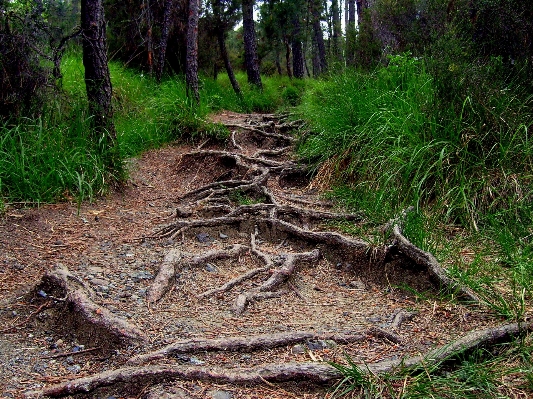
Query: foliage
392	139
51	158
481	374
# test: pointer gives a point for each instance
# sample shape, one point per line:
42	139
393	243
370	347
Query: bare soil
114	249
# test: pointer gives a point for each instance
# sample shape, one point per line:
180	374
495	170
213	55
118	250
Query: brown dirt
102	244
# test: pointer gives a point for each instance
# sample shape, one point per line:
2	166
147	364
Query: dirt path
225	248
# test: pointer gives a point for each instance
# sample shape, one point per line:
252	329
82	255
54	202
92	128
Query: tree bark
297	52
227	63
320	64
165	29
149	38
350	34
97	79
288	57
220	33
336	22
191	70
250	44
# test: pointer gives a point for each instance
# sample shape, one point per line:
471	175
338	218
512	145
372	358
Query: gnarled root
84	314
310	371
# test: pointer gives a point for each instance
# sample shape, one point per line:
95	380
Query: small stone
195	361
59	343
246	356
74	369
338	266
223	236
219	394
316	345
42	293
210	268
78	348
203	237
357	285
14	313
298	349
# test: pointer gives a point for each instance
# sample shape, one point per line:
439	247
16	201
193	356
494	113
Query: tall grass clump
43	162
387	140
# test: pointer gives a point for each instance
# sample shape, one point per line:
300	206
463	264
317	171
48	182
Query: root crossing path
220	272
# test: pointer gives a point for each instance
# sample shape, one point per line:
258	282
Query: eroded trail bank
218	271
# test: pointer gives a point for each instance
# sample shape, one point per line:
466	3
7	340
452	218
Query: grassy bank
48	158
390	139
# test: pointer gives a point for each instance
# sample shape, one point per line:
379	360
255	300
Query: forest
266	198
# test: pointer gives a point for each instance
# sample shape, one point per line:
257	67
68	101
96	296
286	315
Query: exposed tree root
289	139
85	314
311	371
427	260
250	343
279	276
167	270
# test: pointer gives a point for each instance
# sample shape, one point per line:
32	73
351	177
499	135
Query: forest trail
218	272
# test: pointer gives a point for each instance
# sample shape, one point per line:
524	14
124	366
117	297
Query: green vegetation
51	157
477	375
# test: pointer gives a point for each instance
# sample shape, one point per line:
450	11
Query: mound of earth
217	273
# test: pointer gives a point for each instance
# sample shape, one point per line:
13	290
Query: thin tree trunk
97	80
227	63
149	38
336	22
165	29
250	44
288	57
350	34
191	69
278	62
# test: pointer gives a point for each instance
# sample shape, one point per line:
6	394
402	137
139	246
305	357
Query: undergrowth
49	158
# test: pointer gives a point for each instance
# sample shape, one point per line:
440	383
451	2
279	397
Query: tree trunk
191	69
165	29
250	45
350	34
336	22
227	63
278	62
319	48
361	5
97	80
288	57
297	52
149	38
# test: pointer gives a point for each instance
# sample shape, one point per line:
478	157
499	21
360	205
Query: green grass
389	141
506	372
50	158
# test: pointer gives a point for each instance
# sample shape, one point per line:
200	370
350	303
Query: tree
350	34
191	70
320	64
336	26
163	41
222	21
250	44
297	51
97	80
